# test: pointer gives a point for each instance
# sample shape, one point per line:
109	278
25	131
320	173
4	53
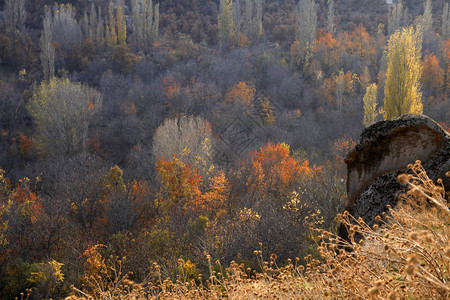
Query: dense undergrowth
405	256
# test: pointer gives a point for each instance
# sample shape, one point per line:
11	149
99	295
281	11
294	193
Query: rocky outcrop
383	151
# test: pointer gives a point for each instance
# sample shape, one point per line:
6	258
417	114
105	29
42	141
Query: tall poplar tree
121	26
427	21
402	90
15	15
306	26
446	22
47	54
330	17
145	22
111	33
397	18
226	23
370	104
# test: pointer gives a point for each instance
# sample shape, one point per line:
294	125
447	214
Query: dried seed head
392	296
374	291
410	269
403	179
414	236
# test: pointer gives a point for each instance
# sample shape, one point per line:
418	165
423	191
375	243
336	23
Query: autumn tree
241	93
306	26
433	74
402	90
121	26
124	205
64	26
145	22
370	104
339	88
268	203
180	185
226	24
93	25
397	18
237	19
111	26
273	171
445	22
331	26
427	18
15	16
190	138
47	54
250	21
62	110
340	148
327	50
216	196
124	59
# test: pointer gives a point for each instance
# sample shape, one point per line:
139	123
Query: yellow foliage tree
62	110
402	92
111	26
370	104
121	26
226	23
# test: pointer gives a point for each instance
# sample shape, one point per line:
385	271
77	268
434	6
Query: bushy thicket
406	255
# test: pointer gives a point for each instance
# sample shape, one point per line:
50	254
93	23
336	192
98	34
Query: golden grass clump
405	256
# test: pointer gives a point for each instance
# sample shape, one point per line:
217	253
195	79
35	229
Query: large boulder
383	152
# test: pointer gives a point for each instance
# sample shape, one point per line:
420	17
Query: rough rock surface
383	151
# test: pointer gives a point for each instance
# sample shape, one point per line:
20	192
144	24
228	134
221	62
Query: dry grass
405	256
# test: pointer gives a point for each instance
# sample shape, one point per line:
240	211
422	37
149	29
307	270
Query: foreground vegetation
405	256
158	131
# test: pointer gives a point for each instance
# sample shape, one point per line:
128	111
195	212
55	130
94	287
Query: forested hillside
165	131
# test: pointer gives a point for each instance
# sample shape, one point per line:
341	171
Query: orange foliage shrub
343	84
216	196
329	49
26	146
180	185
139	193
274	170
241	93
95	144
28	202
171	87
326	50
341	147
358	42
432	74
